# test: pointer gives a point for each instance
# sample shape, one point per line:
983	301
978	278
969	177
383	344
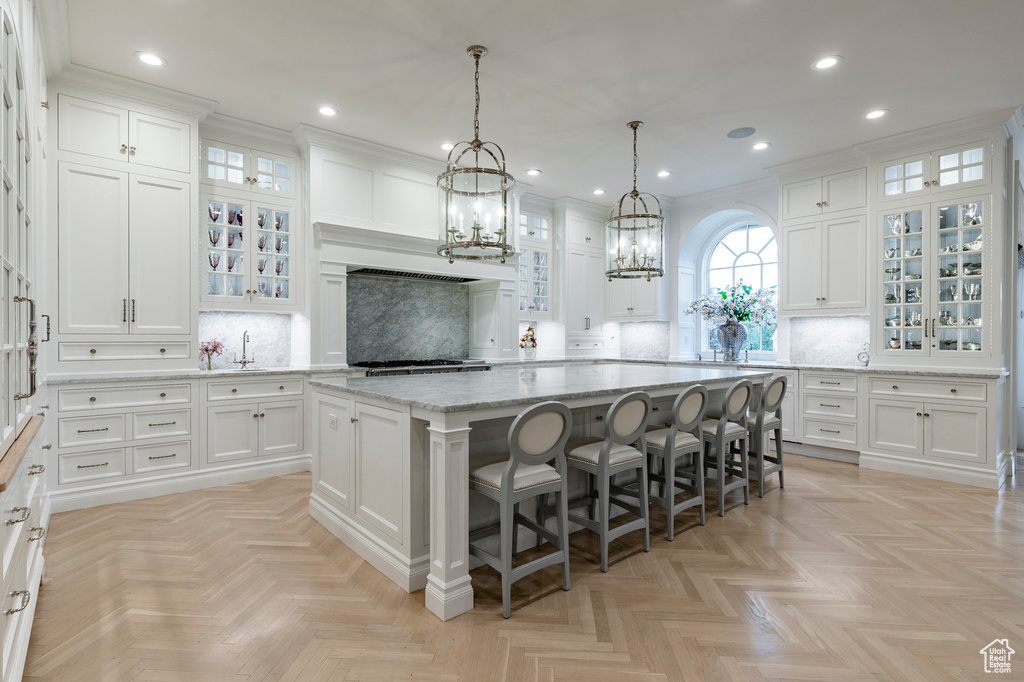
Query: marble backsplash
398	319
828	340
644	340
270	337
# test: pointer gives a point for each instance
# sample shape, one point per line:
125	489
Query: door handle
47	328
33	347
124	309
133	310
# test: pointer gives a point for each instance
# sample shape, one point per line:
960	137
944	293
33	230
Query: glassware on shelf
214	237
263	288
279	244
214	260
231	239
278	222
261	242
214	213
231	216
972	291
894	273
279	266
261	219
231	262
278	290
261	264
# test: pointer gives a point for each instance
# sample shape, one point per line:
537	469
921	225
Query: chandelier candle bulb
635	228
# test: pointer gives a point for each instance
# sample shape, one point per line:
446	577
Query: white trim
820	452
139	489
76	76
939	471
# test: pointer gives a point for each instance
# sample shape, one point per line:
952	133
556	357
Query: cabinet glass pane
225	248
273	175
273	259
225	165
904	178
904	314
960	167
959	271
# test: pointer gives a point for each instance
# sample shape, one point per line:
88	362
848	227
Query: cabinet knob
588	239
818	204
256	416
248	179
654	409
894	387
952	390
124	148
280	388
131	151
353	420
918	414
92	399
163	350
262	414
248	291
600	418
163	395
824	203
926	414
927	183
92	351
234	390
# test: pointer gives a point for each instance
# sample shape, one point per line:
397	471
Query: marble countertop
63	379
523	384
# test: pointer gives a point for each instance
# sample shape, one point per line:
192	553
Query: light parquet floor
847	574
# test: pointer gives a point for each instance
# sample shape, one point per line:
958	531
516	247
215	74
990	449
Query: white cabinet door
801	267
159	142
646	298
906	177
332	460
801	199
161	257
957	167
620	299
225	165
843	191
381	436
280	428
581	231
895	426
90	128
92	219
955	433
232	432
483	311
576	286
845	260
595	290
273	174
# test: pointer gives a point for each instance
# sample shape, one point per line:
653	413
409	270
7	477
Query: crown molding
54	35
595	211
1015	124
727	193
820	164
307	135
220	126
133	90
983	124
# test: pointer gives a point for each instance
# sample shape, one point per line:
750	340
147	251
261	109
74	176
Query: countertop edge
11	459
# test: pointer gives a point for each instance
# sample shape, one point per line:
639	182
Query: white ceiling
563	77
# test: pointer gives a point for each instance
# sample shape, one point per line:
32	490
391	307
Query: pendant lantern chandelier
475	193
635	232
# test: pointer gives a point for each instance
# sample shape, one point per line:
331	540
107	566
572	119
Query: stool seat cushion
770	421
710	428
526	476
656	439
589	453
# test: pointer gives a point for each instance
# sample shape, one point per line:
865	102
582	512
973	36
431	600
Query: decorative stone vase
529	351
731	336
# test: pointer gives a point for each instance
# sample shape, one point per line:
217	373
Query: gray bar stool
767	419
537	437
623	449
668	447
720	432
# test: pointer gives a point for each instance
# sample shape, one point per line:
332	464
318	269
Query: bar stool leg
645	505
669	491
541	507
720	452
744	466
563	530
506	558
604	485
778	452
698	470
515	529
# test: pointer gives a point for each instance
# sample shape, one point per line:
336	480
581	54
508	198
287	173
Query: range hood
401	274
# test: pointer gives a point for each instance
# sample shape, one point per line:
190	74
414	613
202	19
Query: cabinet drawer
71	399
91	430
830	381
162	456
90	466
70	352
953	390
163	424
261	388
839	434
830	405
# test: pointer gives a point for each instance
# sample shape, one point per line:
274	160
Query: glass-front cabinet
934	269
535	280
248	252
252	170
939	171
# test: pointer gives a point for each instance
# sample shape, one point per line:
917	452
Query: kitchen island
391	455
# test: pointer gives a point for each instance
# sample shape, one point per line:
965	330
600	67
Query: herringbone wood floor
847	574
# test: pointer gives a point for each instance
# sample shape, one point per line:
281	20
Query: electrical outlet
334	422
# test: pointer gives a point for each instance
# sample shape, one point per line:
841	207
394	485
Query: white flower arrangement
737	303
529	338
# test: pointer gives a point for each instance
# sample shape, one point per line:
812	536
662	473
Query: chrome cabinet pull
33	347
93	466
353	420
164	424
47	328
133	310
105	428
828	430
824	405
36	469
39	533
831	383
173	454
25	513
26	596
124	309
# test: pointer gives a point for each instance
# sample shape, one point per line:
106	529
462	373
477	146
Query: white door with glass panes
534	282
940	171
251	170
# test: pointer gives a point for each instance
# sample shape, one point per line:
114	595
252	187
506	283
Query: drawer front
259	388
91	466
838	434
72	399
830	405
974	391
830	381
91	430
123	351
162	424
162	456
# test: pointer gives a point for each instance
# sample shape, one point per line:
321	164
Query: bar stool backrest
539	434
627	418
689	409
771	396
737	402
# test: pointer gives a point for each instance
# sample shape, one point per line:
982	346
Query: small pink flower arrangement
207	349
528	339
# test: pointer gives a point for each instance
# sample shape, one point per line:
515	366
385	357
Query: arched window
747	253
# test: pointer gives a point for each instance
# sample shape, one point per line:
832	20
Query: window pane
770	254
736	240
719	279
722	257
972	156
759	237
749	275
748	259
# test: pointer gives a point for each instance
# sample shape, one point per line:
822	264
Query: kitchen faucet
243	362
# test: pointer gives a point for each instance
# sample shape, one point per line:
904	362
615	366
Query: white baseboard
833	454
408	573
142	488
939	471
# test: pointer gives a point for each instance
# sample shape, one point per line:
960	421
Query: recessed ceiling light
150	58
533	171
762	145
327	111
599	191
447	146
740	133
826	62
877	113
664	174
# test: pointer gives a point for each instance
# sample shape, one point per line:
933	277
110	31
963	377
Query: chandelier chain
636	160
476	111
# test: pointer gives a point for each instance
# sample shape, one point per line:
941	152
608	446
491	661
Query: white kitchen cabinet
827	194
931	172
249	254
249	170
635	299
333	467
584	232
824	265
380	439
931	431
241	431
483	315
281	427
115	133
584	275
124	253
829	409
535	281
